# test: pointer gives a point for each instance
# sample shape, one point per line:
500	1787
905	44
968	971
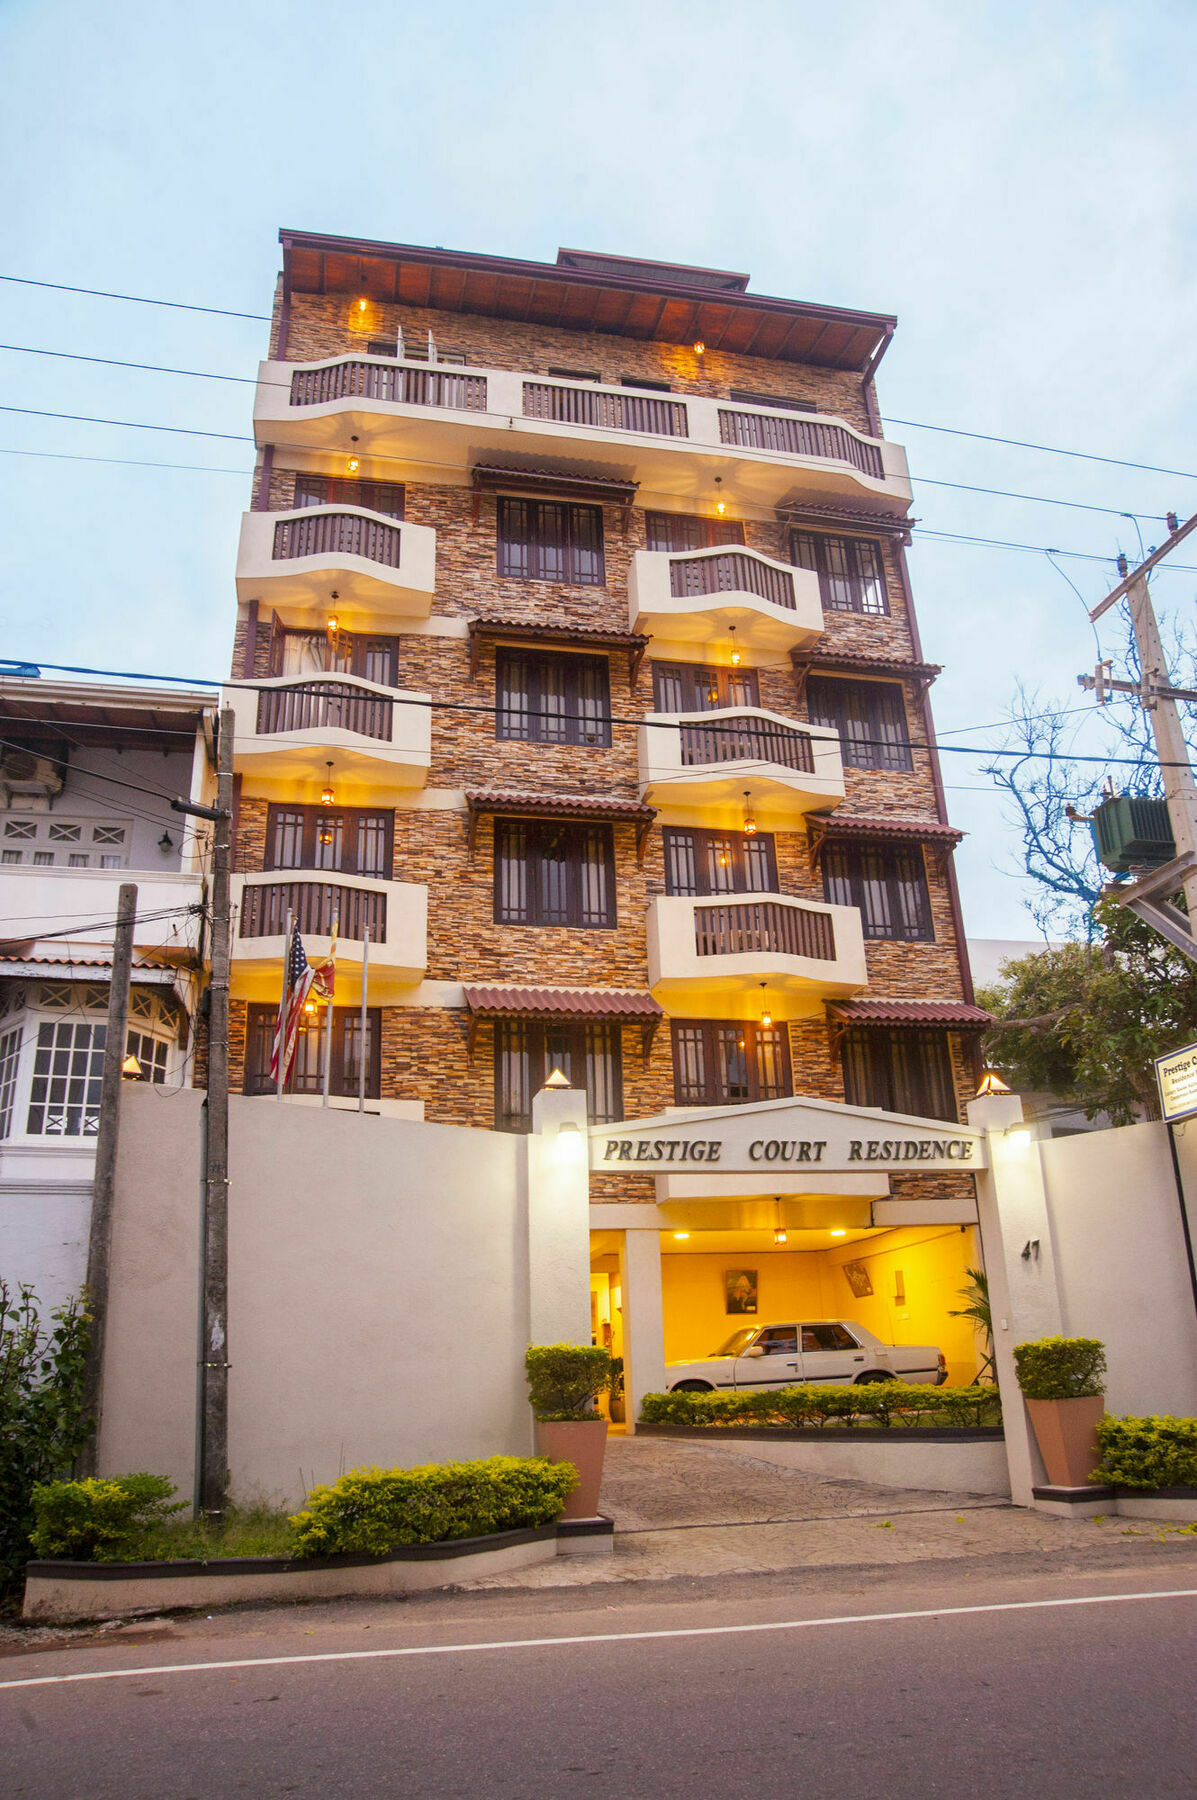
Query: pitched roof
956	1015
561	1003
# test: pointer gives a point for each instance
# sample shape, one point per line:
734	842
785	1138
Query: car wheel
873	1375
692	1387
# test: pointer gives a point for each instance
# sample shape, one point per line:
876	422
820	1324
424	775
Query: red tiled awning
602	808
562	484
493	630
852	662
952	1015
818	516
845	829
619	1005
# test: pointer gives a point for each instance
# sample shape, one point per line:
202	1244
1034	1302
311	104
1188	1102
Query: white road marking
599	1637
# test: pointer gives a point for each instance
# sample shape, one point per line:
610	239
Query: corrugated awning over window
826	517
849	662
624	1005
837	828
482	631
599	808
949	1015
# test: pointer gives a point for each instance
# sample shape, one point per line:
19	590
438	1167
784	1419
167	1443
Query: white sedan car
836	1350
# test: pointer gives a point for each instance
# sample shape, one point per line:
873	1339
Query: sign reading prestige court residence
800	1138
1177	1077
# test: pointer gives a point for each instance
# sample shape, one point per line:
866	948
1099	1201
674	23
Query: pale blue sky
1014	181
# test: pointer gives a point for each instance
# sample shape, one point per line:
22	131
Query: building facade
87	774
578	689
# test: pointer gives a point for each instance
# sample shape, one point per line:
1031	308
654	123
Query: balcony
694	597
707	958
290	728
379	567
39	899
396	913
671	445
695	768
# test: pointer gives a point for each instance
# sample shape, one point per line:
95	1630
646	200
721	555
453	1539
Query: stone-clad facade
430	1051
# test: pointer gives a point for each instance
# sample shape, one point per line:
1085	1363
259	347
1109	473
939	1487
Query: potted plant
615	1396
1063	1383
564	1380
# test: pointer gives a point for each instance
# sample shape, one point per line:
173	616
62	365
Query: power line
957	537
982	437
60	287
963	487
112	362
33	412
126	462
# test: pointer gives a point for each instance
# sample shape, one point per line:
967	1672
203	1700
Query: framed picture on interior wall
741	1290
858	1280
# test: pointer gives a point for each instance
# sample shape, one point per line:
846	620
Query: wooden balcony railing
382	381
325	703
747	740
337	534
315	904
799	437
729	572
763	925
619	412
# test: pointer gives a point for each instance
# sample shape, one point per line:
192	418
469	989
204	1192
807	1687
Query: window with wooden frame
307	1070
702	687
719	862
870	717
887	883
542	697
687	531
551	540
344	839
527	1052
899	1071
554	872
387	497
850	570
370	657
729	1064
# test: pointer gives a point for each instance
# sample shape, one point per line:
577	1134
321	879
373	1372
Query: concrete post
643	1320
1020	1262
558	1219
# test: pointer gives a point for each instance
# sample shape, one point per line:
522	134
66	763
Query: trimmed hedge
100	1520
371	1511
1061	1368
883	1403
1147	1453
564	1380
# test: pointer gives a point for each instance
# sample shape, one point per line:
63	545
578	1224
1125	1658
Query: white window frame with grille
47	840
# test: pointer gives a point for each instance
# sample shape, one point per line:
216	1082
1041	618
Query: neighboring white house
87	774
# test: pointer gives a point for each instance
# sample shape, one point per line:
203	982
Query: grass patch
245	1531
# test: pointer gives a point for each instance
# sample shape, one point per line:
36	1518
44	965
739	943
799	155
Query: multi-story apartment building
576	662
87	774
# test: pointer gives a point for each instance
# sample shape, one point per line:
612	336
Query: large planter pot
581	1442
1066	1432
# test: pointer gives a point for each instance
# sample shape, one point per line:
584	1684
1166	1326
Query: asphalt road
956	1683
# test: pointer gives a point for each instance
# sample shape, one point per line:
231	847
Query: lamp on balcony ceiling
327	797
352	464
735	654
779	1230
333	622
720	502
699	347
766	1015
749	816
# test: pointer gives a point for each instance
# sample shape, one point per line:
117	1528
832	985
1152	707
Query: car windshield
736	1342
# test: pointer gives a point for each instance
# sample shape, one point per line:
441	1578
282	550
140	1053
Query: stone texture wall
424	1047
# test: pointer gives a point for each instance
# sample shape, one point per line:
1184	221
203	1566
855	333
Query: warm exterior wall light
327	797
699	347
1018	1137
766	1015
735	654
353	465
166	842
681	1236
991	1084
779	1236
838	1232
720	502
130	1069
571	1141
749	818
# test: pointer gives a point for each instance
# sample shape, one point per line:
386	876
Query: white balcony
708	956
381	568
83	903
396	913
291	727
693	598
671	444
696	768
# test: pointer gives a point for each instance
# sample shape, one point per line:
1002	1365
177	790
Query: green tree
43	1425
978	1307
1085	1020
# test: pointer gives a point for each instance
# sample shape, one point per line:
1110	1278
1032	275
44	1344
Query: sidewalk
684	1509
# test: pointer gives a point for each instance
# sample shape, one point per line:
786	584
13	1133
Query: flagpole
361	1054
282	1005
328	1023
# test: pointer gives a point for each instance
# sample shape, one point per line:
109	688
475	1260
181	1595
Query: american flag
286	1033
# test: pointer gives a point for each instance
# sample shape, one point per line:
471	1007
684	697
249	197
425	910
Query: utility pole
1151	896
99	1245
212	1471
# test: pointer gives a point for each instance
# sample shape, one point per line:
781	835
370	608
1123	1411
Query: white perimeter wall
1120	1260
378	1305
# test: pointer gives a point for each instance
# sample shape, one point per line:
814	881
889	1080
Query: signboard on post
1176	1075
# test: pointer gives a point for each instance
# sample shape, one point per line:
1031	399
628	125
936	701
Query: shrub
1060	1368
43	1425
565	1379
99	1520
371	1511
1147	1453
812	1404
